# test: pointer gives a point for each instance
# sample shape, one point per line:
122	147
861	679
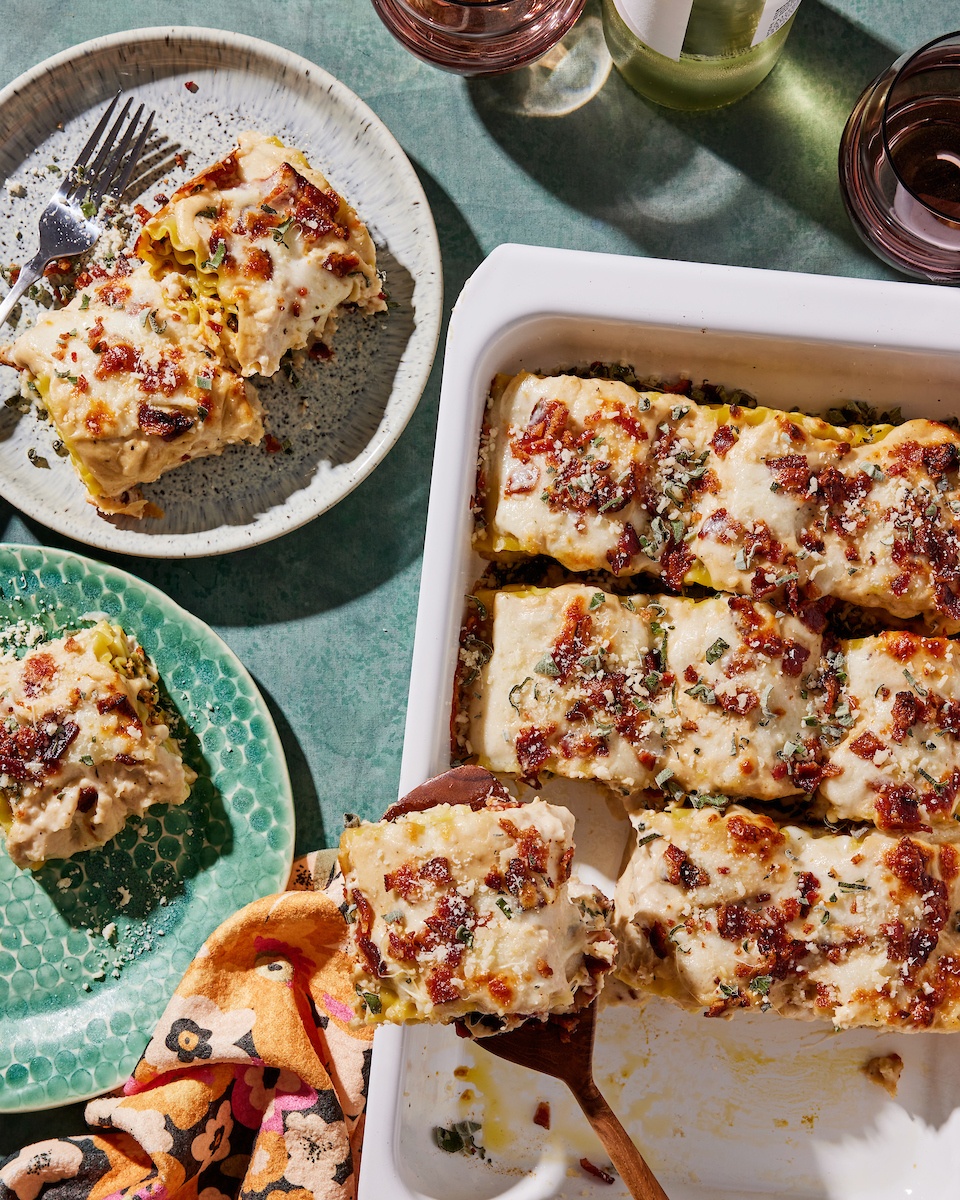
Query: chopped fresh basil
480	606
150	321
717	650
281	230
937	786
516	688
459	1139
370	999
714	800
217	257
918	688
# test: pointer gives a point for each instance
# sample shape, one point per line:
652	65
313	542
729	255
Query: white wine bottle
694	54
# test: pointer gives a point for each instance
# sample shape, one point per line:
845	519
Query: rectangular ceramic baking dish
758	1106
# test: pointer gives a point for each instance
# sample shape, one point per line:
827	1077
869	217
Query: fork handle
29	273
618	1144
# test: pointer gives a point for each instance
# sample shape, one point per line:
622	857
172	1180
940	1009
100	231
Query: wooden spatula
563	1047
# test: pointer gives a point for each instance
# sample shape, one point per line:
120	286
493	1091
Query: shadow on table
654	173
308	815
23	1129
372	535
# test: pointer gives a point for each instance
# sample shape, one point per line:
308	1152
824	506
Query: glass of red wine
478	37
900	162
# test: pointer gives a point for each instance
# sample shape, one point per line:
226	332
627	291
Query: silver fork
69	224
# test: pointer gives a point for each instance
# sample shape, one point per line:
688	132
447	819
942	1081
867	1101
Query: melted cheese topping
266	236
83	745
900	758
711	695
758	502
461	911
721	912
126	372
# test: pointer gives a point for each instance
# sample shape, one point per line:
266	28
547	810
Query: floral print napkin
254	1084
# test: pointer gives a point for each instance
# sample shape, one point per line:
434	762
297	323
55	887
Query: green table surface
326	631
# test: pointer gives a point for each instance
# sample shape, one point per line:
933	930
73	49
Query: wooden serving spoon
563	1048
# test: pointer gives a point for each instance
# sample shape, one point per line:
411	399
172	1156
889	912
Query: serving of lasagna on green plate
84	744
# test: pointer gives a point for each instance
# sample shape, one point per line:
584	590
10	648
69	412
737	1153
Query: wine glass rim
899	67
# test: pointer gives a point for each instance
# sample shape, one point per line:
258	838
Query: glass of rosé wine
900	162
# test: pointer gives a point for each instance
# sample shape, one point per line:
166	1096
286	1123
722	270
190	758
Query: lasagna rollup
755	501
468	910
899	762
263	234
718	694
128	377
84	744
720	912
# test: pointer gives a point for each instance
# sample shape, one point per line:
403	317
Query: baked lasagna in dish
270	246
127	374
467	911
84	744
759	502
721	912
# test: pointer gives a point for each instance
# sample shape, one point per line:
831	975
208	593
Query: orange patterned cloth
253	1086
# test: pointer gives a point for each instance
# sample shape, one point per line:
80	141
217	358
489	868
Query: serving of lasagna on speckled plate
253	373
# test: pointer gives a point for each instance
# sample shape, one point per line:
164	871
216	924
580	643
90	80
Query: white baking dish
758	1106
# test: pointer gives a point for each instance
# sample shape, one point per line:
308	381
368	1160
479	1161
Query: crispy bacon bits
867	745
33	751
723	439
597	1172
682	870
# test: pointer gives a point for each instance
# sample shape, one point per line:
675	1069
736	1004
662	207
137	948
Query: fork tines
115	159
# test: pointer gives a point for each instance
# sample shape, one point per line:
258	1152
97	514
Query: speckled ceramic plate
336	419
76	1007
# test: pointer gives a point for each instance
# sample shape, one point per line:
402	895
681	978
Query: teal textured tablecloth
578	161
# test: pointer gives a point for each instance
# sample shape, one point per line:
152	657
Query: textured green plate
77	1007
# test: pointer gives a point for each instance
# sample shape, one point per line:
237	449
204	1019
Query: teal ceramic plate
92	947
